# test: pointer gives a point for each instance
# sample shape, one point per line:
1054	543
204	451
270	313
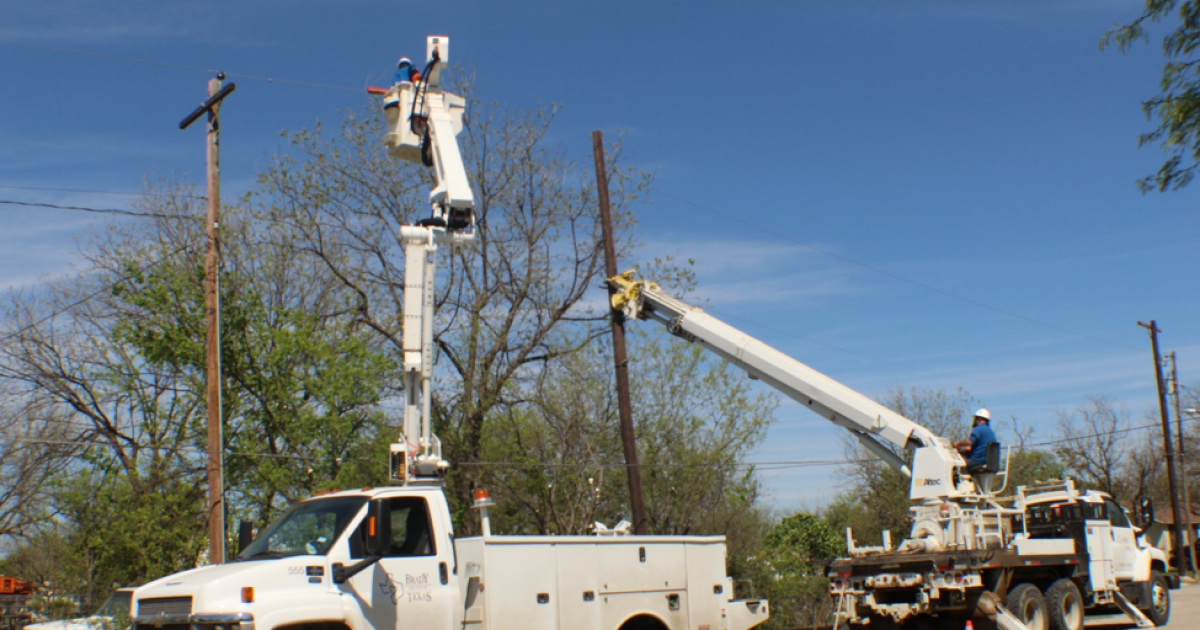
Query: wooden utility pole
1189	536
620	360
212	308
1172	480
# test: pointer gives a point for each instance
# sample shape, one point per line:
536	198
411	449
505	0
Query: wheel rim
1159	594
1032	615
1072	611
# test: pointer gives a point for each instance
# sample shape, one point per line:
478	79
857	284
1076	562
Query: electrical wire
763	466
129	213
176	66
104	192
894	276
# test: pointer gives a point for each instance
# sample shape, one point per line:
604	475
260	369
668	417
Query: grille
169	626
164	606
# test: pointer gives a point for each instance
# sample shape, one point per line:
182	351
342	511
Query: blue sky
984	149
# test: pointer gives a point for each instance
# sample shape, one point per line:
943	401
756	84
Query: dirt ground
1185	612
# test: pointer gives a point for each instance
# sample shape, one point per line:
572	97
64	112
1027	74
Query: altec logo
931	482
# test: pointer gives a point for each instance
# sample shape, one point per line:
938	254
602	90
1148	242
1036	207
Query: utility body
1041	562
387	558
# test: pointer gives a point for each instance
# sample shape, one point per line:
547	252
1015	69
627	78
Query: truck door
405	590
1124	542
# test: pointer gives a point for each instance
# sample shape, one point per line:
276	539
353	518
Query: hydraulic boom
938	470
423	125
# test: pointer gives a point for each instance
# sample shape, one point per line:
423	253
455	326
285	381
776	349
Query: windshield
307	528
116	606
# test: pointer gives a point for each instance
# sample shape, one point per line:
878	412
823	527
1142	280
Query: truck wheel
1026	602
1066	605
1160	599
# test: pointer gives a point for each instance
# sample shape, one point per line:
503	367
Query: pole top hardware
208	105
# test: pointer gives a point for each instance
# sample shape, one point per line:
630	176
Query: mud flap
1008	621
1131	611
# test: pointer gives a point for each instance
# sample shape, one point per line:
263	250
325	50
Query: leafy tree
1177	106
790	570
120	359
878	495
506	305
880	491
695	417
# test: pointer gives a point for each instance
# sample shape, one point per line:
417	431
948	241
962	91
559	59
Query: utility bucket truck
387	558
1039	560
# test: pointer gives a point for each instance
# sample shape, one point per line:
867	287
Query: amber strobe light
248	594
481	494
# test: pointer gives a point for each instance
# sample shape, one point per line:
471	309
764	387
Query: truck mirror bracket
341	572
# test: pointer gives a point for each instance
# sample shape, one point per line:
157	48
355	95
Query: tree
506	305
118	354
879	494
1177	106
1100	450
696	419
35	443
790	570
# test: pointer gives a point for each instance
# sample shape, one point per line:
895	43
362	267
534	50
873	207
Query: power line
130	213
176	66
894	276
104	192
771	465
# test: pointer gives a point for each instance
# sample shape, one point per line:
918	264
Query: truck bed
596	582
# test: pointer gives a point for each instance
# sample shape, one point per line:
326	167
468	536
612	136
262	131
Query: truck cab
1118	555
311	567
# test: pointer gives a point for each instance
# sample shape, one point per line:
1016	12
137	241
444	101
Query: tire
1160	599
1026	602
1066	605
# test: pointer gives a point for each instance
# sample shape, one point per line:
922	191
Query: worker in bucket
975	449
406	71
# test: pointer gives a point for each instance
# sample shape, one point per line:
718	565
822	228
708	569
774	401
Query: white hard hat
403	61
984	413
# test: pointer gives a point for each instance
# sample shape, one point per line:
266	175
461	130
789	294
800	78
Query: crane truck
1053	555
388	558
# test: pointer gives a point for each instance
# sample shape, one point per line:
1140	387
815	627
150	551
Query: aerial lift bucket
401	140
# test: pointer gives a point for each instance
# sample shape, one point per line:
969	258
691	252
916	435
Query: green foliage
695	417
789	571
878	498
130	535
881	492
299	388
1177	106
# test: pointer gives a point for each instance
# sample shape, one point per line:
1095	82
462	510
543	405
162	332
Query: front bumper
197	621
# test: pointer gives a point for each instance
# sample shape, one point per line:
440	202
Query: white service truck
387	558
1052	555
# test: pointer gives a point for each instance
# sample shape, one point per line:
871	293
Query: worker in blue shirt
982	436
406	71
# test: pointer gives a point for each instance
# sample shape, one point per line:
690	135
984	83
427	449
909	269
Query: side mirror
377	533
1145	512
245	535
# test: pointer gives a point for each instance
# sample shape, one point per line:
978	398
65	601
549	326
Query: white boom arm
936	464
423	125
